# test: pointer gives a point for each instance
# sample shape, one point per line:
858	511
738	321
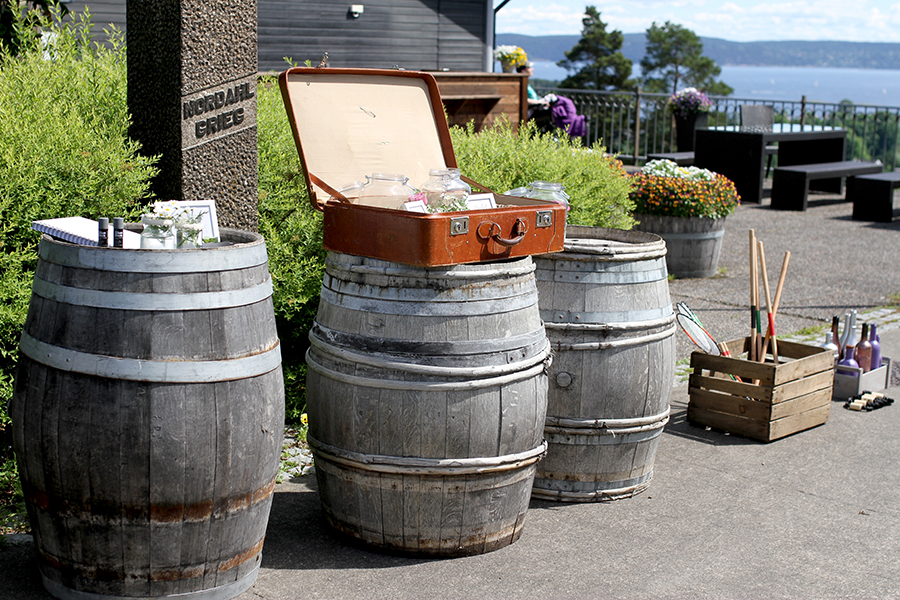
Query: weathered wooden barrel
426	394
148	416
605	302
693	244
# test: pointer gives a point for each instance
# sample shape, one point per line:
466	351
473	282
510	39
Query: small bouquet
188	229
510	55
689	101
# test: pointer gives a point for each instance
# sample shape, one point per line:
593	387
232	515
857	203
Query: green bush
503	159
63	152
293	232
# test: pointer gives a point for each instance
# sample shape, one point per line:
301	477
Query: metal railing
635	124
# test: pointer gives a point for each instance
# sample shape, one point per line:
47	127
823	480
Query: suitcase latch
459	225
543	218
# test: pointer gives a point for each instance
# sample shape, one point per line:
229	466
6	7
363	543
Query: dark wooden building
427	35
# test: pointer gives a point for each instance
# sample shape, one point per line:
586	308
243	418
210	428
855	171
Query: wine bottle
835	338
863	353
829	344
876	347
848	361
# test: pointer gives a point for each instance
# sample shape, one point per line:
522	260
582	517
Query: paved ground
814	515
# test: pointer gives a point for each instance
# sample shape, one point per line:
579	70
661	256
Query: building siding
411	34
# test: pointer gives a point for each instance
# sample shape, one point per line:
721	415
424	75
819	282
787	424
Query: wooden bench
682	159
873	196
790	185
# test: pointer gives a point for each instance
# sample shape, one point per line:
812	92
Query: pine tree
597	57
674	59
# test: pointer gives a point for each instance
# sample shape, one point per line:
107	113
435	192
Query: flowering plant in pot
687	207
510	57
689	101
690	107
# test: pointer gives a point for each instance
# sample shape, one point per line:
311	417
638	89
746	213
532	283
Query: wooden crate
791	396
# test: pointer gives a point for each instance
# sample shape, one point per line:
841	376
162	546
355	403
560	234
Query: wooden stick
751	355
784	266
770	330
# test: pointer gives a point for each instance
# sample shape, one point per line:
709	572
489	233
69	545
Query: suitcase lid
349	123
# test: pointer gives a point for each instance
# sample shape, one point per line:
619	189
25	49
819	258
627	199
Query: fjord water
880	87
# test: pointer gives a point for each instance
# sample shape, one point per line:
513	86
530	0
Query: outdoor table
740	154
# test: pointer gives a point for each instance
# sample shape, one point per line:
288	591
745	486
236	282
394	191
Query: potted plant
510	57
689	107
686	206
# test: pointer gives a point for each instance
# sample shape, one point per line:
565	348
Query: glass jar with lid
445	188
388	190
546	190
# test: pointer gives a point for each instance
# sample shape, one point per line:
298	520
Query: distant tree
597	58
674	59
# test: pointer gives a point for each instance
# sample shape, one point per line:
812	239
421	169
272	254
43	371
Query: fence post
637	125
802	111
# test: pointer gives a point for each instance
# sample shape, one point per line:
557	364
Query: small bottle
830	345
848	361
118	232
876	348
103	232
864	350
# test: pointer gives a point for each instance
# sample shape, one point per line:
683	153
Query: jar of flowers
510	57
687	207
689	107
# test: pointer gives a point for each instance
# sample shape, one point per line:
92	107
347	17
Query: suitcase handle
519	229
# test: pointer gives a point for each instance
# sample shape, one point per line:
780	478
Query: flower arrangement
663	188
689	101
510	55
168	225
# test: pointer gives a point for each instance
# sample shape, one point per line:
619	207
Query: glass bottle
835	338
848	338
546	190
876	347
157	233
863	353
830	345
848	361
445	188
387	190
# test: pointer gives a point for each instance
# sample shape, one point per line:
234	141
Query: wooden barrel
426	395
605	301
693	244
148	416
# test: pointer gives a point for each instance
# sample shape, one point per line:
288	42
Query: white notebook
80	230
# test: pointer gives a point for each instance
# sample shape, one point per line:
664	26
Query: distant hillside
859	55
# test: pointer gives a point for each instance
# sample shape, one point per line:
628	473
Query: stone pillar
192	95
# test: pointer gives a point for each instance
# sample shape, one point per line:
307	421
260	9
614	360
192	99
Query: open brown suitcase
349	123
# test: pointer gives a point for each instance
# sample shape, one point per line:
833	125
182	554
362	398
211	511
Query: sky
735	20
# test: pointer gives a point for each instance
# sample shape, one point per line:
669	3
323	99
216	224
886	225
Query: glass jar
445	188
350	191
188	235
388	190
546	190
157	233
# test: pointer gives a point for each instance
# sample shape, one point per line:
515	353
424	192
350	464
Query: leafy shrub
503	159
64	151
663	188
293	232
